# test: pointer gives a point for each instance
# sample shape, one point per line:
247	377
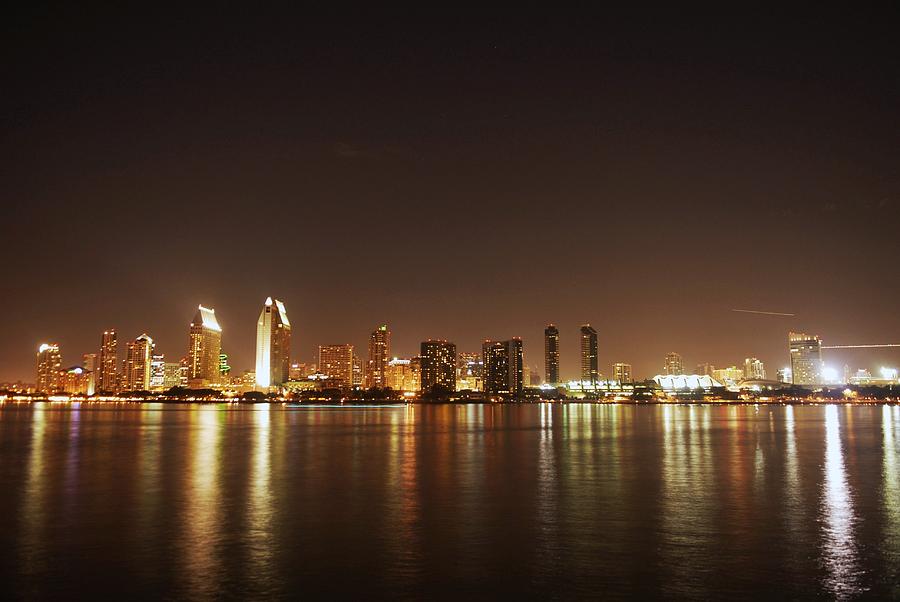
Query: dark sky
456	176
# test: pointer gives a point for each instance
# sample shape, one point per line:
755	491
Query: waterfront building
806	358
158	372
503	369
403	375
379	356
91	363
137	364
204	349
171	375
336	362
75	381
783	375
551	354
729	376
301	370
674	364
754	369
672	383
273	345
49	361
438	361
468	371
622	372
108	380
358	376
590	372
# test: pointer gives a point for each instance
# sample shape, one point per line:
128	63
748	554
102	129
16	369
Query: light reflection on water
445	501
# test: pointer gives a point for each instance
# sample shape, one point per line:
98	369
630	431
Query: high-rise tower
438	364
204	348
273	345
551	354
590	372
503	367
806	358
108	381
49	363
674	364
379	356
137	363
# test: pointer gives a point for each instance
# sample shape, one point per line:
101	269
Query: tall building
171	375
75	381
224	368
590	372
358	374
754	369
705	369
622	372
469	370
379	356
806	358
674	364
728	376
137	363
157	372
205	344
91	363
402	375
49	362
273	345
301	370
109	380
336	362
503	369
551	354
438	364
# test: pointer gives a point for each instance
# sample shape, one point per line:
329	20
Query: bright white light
889	373
829	375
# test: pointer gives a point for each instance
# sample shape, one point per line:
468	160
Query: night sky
455	176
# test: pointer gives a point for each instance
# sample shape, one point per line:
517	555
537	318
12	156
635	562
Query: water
533	501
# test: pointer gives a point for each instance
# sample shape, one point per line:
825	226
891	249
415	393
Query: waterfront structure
108	380
91	363
379	356
273	345
402	375
49	361
357	375
75	381
685	382
137	364
551	354
158	372
469	370
336	362
171	375
674	364
590	372
438	359
754	369
204	349
622	372
806	358
503	369
729	376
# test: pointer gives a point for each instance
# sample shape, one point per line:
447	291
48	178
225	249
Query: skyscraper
157	372
137	363
590	372
754	369
438	364
622	372
674	365
469	370
551	354
205	345
90	362
336	362
503	369
109	380
806	358
273	345
379	356
49	363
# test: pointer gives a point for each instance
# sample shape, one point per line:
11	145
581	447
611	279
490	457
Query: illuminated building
158	372
379	356
622	372
108	381
681	382
224	368
402	375
204	349
551	354
503	370
590	372
137	364
730	376
336	362
75	381
273	345
705	369
469	370
48	368
754	369
183	371
358	376
784	375
674	365
91	363
300	370
171	375
438	359
806	358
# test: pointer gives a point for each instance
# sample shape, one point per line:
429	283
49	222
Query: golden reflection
839	547
34	514
890	494
260	506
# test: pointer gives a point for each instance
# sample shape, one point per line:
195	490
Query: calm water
555	501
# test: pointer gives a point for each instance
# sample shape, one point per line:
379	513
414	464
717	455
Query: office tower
336	362
204	346
551	354
48	368
705	369
503	370
469	369
109	380
171	375
806	358
137	364
674	365
622	372
590	372
358	373
754	369
75	381
224	368
157	372
379	356
438	359
273	345
415	366
91	363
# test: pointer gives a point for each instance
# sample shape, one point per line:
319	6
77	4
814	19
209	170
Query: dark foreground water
549	501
